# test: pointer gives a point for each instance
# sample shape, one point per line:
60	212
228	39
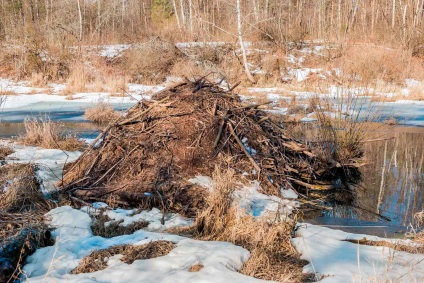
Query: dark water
83	130
56	111
391	188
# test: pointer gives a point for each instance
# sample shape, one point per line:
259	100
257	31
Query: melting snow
74	241
335	260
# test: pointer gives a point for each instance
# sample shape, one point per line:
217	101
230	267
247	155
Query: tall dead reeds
45	133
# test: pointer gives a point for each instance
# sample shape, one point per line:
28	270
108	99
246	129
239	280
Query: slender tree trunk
80	20
182	13
99	21
174	5
240	38
393	14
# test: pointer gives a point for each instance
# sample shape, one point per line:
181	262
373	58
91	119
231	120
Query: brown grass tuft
114	228
272	255
101	113
5	151
46	134
97	260
196	268
22	189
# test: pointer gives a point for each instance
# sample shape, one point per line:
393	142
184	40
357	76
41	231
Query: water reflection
393	180
391	188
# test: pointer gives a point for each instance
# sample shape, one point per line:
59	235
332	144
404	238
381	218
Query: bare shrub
46	134
101	113
272	255
150	62
97	260
114	228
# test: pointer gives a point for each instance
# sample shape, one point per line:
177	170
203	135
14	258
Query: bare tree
240	39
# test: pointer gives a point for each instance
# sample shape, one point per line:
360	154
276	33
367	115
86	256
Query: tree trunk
240	38
174	5
80	20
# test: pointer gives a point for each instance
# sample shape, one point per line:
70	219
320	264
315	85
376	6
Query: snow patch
74	241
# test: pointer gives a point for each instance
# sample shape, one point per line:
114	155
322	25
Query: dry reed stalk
46	134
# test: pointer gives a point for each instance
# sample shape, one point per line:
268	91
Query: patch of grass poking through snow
105	227
97	260
20	189
101	113
5	151
272	255
46	134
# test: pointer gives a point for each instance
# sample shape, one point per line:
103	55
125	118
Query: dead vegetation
145	158
20	189
97	260
150	62
101	113
46	134
272	255
5	151
22	206
105	227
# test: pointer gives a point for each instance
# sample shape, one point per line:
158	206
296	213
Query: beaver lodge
145	158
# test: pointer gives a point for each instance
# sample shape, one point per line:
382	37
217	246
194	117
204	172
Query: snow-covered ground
21	95
75	240
49	162
332	259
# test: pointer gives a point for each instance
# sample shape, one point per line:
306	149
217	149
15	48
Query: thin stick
129	120
244	149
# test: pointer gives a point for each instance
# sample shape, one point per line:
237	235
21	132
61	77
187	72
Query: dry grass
117	85
417	233
5	92
104	227
5	151
101	113
272	255
22	193
97	260
369	63
45	133
196	268
343	127
150	62
79	77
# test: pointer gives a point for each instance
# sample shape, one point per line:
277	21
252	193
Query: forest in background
396	23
